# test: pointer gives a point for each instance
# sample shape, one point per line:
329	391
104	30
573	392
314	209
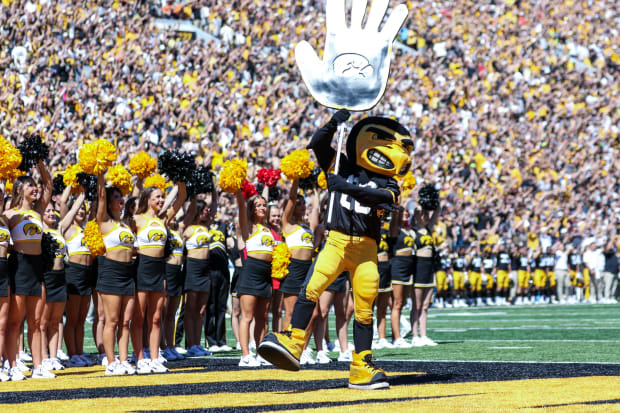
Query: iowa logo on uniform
426	240
126	238
307	237
408	241
4	236
202	240
383	246
157	235
31	229
217	236
267	241
176	243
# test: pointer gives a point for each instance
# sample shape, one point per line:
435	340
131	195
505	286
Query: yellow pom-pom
297	164
121	178
142	164
10	179
281	259
322	180
70	178
409	182
93	238
232	175
10	158
157	181
95	157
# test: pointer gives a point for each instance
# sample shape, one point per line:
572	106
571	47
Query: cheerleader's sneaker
401	343
158	367
16	375
346	356
22	366
428	342
129	369
23	356
307	357
322	357
249	361
61	355
4	376
417	342
143	366
115	369
41	373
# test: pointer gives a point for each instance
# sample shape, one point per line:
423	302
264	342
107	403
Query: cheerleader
175	277
5	298
385	289
254	284
299	238
424	281
236	247
28	299
197	278
151	230
54	280
401	269
115	281
81	275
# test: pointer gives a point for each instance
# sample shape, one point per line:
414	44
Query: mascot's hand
336	183
339	117
356	61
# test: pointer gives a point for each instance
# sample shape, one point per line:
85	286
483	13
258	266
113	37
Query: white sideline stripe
528	328
558	320
539	341
496	361
509	348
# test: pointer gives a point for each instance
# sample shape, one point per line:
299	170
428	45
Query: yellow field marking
476	396
93	378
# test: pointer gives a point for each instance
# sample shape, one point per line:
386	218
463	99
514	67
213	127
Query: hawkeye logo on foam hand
156	235
4	236
31	229
307	237
267	241
126	238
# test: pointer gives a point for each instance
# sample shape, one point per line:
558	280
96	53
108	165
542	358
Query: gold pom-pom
142	164
11	176
297	164
120	177
95	157
10	158
93	238
281	259
157	181
409	182
70	178
322	180
232	175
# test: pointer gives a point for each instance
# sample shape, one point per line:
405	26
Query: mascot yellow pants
358	255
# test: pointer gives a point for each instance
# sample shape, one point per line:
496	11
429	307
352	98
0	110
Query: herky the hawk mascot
377	150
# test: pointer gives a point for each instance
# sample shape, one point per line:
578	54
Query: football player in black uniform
504	267
459	272
377	150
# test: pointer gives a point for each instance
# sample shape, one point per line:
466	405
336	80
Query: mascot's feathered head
380	145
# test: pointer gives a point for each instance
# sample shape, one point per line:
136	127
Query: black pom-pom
89	183
428	197
49	246
201	182
312	181
259	187
58	186
32	149
168	248
178	166
275	194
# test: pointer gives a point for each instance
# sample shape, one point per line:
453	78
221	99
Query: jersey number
346	200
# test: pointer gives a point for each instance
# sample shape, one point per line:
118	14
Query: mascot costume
352	75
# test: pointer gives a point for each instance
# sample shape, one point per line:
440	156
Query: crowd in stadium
512	107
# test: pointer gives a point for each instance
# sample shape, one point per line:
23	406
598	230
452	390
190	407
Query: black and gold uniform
575	265
424	274
402	261
523	271
459	271
488	264
474	274
540	271
504	266
445	264
215	320
385	277
549	262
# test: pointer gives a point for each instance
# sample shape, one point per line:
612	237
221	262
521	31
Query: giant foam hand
356	61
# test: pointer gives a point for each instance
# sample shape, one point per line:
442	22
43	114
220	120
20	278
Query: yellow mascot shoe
364	375
283	350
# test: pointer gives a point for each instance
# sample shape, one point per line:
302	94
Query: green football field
551	333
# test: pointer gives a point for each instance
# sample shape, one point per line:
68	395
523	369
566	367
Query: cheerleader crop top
261	241
199	239
119	238
153	234
27	228
5	233
177	243
300	237
57	236
76	244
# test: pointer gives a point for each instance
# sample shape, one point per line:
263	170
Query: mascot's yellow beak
380	145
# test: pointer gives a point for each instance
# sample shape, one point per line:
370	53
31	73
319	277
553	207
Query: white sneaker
54	364
306	357
47	364
405	326
128	368
61	355
4	376
383	343
262	361
225	348
86	360
346	356
169	355
428	342
16	375
180	350
252	346
337	346
238	346
22	366
417	342
214	349
161	357
100	358
76	361
115	369
249	361
23	356
322	357
157	367
143	366
401	343
41	373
